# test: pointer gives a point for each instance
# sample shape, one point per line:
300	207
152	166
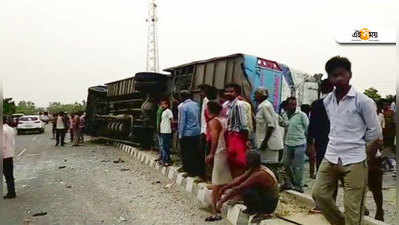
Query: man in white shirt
165	131
8	154
268	135
353	124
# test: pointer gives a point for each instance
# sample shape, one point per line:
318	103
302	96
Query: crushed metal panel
237	75
209	73
229	72
198	76
220	74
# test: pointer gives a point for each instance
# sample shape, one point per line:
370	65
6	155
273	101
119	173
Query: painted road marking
21	153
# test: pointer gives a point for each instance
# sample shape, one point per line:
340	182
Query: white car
30	123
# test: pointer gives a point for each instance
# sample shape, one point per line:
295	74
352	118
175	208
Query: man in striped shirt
237	129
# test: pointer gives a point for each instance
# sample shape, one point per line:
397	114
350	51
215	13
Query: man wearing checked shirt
353	125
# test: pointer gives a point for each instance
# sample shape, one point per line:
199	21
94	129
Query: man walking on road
353	123
8	154
61	126
76	129
189	134
82	126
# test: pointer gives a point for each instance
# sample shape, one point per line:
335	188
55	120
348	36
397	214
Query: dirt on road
82	185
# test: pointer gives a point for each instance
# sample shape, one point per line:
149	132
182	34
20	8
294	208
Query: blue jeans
295	163
165	143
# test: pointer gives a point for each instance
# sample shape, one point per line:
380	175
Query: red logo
264	63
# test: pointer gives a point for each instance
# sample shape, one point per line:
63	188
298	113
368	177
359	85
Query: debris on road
119	161
39	214
169	185
122	219
61	167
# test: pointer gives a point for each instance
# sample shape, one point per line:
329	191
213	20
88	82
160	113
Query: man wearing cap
268	136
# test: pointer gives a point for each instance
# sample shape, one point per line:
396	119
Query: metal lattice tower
152	38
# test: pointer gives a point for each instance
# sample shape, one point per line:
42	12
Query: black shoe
379	216
10	196
286	187
249	211
299	189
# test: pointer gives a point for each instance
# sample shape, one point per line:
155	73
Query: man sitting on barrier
257	187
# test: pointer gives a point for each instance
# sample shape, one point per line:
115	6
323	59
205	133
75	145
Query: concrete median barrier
234	213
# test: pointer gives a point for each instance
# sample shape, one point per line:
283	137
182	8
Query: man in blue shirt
353	124
189	130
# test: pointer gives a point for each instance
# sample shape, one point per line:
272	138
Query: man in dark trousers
189	129
319	127
61	127
8	155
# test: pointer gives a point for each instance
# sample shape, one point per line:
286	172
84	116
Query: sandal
315	211
259	217
213	218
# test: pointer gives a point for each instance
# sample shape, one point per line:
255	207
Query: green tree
373	94
8	106
55	107
26	107
390	98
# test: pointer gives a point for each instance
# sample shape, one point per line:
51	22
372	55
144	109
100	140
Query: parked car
30	123
44	118
14	119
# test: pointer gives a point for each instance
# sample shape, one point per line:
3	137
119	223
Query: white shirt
353	123
60	123
166	119
203	121
8	141
266	117
381	120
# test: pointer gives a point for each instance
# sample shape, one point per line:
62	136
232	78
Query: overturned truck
125	110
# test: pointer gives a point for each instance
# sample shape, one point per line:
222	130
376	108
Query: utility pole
152	38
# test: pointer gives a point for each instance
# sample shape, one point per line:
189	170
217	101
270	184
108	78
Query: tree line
29	107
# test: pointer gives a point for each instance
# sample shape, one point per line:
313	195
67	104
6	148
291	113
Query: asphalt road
82	185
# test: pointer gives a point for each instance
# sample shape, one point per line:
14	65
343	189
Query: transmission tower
152	38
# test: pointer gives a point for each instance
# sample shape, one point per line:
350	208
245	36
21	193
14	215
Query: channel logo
366	35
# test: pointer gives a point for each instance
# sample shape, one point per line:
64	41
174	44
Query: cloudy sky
53	50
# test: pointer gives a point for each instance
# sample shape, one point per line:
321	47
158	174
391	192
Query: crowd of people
231	142
73	123
61	124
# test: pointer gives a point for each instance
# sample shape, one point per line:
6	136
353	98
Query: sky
53	50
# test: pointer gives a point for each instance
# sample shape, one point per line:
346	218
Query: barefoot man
217	156
257	187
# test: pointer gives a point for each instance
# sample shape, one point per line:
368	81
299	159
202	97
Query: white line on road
21	153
